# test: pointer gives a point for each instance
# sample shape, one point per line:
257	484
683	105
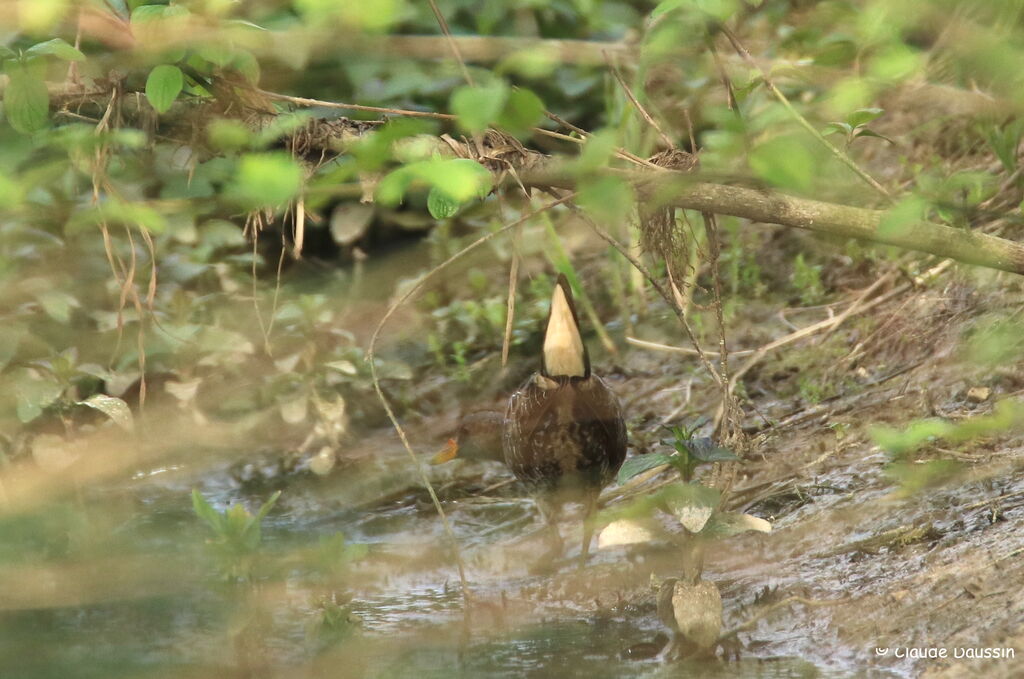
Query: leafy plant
807	281
693	504
26	98
237	534
688	452
856	126
914	475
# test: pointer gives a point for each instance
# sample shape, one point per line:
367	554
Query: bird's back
564	433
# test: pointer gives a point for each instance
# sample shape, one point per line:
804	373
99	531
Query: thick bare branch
772	207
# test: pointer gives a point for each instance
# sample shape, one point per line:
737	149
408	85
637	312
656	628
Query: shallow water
182	620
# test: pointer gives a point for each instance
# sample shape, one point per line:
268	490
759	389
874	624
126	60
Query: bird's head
478	437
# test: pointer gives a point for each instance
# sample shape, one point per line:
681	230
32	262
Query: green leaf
440	205
638	464
609	200
56	47
33	394
216	53
26	100
871	133
478	107
840	128
460	179
862	116
342	366
145	13
785	162
597	151
245	63
267	506
205	511
523	110
705	450
693	504
228	135
7	53
57	304
163	86
720	10
918	433
114	408
11	336
896	62
902	216
266	180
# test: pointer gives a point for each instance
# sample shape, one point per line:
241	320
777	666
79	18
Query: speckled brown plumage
564	435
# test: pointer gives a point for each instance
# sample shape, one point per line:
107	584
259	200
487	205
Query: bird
562	433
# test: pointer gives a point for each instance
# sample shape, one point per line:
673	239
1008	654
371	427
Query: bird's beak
564	354
446	454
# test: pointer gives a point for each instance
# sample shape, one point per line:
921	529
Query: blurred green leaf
265	180
523	110
26	100
706	450
896	62
163	86
871	133
597	151
785	162
11	336
863	116
918	433
638	464
840	128
138	215
608	200
228	135
459	179
34	393
114	408
56	47
479	107
720	10
905	214
57	304
440	205
205	511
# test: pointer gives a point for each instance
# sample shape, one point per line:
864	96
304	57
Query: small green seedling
688	453
856	125
237	534
692	503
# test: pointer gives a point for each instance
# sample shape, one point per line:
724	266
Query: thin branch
637	105
686	351
304	101
451	42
